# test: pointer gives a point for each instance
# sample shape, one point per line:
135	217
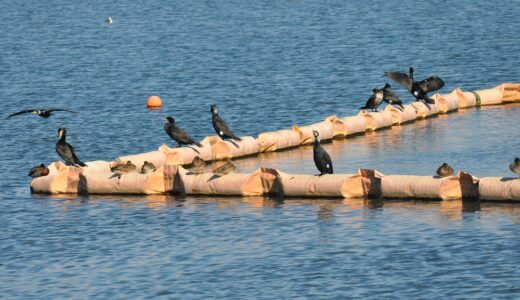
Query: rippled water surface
267	65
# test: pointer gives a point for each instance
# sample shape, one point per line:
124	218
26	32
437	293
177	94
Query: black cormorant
44	113
445	170
515	166
66	151
418	89
321	157
220	126
382	94
177	134
39	171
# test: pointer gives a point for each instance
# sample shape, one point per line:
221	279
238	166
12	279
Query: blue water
267	65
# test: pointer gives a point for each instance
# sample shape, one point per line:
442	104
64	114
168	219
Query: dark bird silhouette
445	170
44	113
39	171
380	95
515	166
321	157
418	89
66	151
147	167
225	168
390	97
178	134
220	126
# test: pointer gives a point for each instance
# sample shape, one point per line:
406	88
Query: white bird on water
109	20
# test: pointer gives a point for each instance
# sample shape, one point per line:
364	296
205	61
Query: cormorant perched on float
178	134
66	151
380	95
418	89
321	157
220	126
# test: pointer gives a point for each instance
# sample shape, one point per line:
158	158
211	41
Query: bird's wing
370	101
75	157
431	84
66	151
61	109
183	135
389	95
223	126
25	111
327	159
402	78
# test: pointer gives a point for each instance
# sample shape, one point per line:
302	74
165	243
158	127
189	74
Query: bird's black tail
428	100
196	151
79	163
401	106
236	138
198	144
363	107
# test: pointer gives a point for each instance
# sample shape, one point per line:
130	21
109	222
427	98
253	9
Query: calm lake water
267	65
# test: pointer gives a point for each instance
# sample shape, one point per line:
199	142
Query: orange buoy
154	101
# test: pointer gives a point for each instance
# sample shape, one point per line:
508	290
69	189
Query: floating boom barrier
171	178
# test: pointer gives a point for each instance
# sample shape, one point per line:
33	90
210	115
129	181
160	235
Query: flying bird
44	113
418	89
